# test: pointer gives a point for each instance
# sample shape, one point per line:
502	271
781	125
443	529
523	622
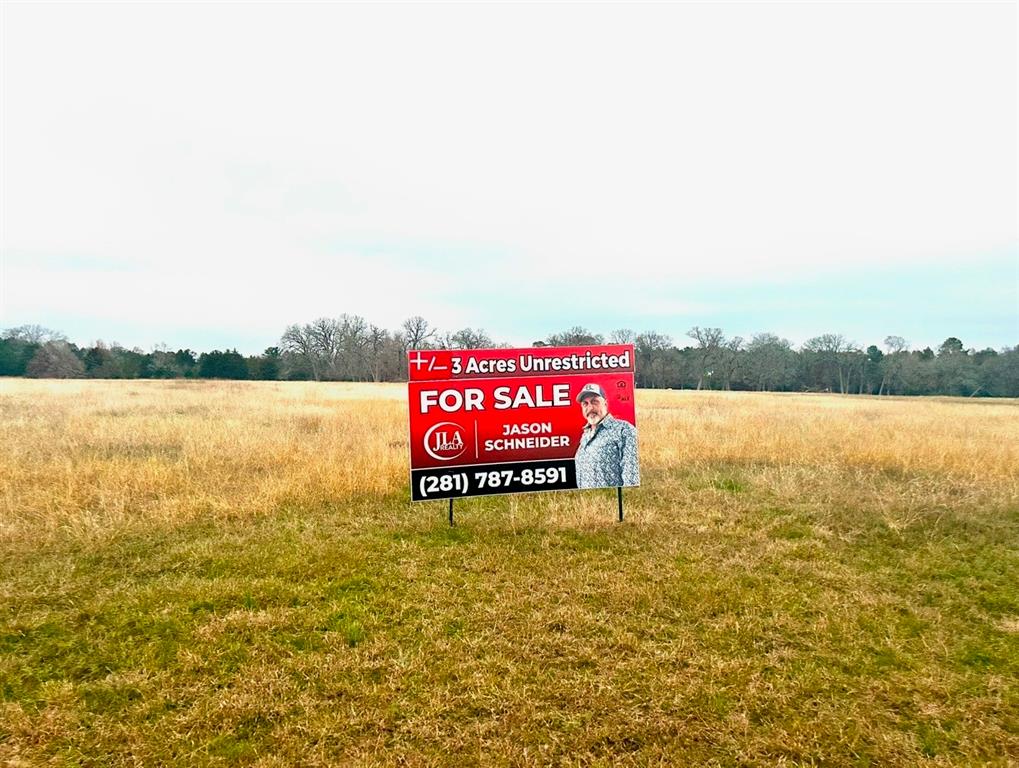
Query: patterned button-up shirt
607	455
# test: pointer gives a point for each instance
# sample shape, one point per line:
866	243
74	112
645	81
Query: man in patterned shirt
607	455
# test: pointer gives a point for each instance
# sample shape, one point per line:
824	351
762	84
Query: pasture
208	573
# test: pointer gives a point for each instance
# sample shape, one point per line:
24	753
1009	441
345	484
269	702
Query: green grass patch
743	632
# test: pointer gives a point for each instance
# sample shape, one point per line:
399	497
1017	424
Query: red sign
513	420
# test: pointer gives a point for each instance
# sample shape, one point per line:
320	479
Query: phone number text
492	479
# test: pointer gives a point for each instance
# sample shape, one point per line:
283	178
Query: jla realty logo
445	441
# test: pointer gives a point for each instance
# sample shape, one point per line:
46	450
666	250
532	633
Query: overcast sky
203	175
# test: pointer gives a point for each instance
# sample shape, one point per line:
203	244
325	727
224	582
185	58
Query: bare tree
771	362
729	360
468	338
352	359
651	348
332	348
622	336
376	341
298	341
855	361
576	336
33	334
835	357
325	335
417	332
897	347
709	341
394	358
55	360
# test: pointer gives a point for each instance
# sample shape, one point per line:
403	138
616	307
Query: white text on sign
471	399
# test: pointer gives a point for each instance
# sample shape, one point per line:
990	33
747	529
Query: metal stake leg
450	513
619	491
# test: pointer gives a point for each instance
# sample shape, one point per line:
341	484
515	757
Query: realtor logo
445	441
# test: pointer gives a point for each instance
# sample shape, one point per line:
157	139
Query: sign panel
521	420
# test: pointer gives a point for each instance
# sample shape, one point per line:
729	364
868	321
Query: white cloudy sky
205	174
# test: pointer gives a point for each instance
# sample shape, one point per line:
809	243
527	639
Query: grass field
232	574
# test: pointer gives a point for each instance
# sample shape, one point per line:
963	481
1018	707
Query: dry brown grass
88	457
91	456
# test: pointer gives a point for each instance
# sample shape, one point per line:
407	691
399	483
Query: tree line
348	348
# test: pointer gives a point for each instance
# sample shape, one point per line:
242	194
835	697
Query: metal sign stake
619	491
451	512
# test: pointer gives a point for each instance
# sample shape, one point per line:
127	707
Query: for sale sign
521	420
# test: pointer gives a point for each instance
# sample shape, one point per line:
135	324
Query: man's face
594	408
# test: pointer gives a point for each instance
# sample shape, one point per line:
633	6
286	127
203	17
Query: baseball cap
590	389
